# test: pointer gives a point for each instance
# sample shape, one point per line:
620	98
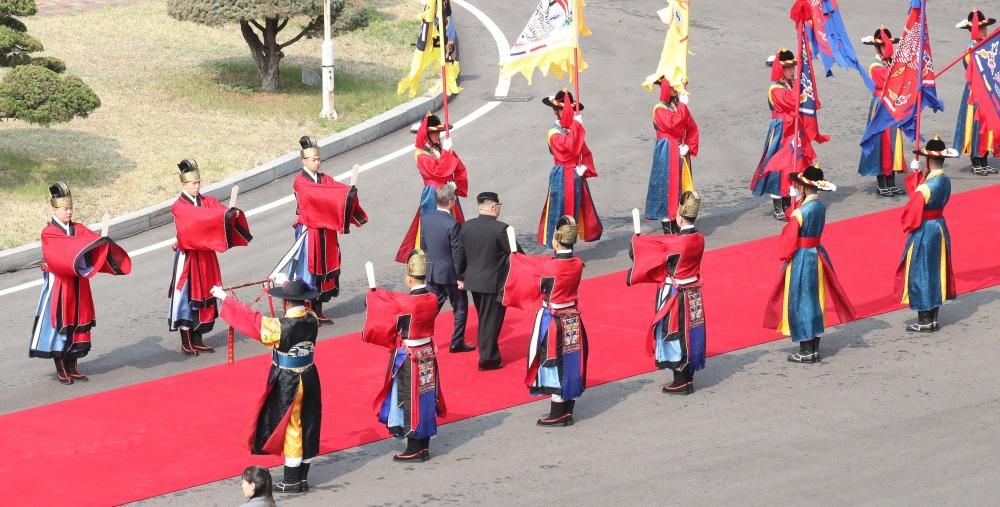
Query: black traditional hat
935	148
488	197
59	195
556	101
189	170
310	148
434	124
877	38
786	57
294	290
966	24
813	177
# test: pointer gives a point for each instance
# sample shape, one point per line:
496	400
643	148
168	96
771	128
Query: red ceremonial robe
203	231
678	126
436	168
390	318
568	146
326	209
651	256
71	260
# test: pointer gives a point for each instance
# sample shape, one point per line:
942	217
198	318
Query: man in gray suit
445	258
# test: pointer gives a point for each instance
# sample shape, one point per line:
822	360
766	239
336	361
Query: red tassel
974	30
664	90
887	49
776	67
421	134
566	117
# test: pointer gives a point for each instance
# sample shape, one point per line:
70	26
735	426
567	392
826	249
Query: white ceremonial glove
218	293
279	280
453	185
578	118
580	169
446	143
683	98
915	165
683	149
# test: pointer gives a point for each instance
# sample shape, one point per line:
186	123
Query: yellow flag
673	58
548	40
428	51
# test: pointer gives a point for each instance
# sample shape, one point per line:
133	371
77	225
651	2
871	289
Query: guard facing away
204	228
557	351
886	158
778	159
71	255
290	410
325	209
924	279
676	142
573	163
798	304
438	165
970	138
676	337
411	398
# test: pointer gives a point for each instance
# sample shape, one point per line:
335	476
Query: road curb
130	224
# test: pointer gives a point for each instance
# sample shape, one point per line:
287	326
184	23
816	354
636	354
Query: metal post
329	112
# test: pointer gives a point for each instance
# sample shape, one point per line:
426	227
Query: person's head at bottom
256	483
416	269
566	233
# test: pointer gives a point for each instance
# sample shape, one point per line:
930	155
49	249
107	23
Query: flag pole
920	75
576	53
967	52
797	141
443	38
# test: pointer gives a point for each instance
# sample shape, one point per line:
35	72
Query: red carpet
186	430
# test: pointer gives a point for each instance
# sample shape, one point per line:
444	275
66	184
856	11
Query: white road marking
503	87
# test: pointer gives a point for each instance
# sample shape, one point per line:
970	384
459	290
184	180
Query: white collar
446	210
313	175
686	227
300	308
60	223
563	250
418	287
194	200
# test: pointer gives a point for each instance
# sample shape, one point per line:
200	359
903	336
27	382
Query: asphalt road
887	418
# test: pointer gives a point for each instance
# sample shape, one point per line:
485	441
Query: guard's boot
807	353
777	209
317	307
815	349
291	482
680	385
305	476
883	185
425	445
198	343
414	451
72	371
61	374
890	181
924	324
187	347
934	318
988	168
570	405
977	166
557	416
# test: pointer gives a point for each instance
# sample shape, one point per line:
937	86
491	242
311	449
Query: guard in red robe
573	164
886	158
557	351
972	138
438	165
289	413
204	227
410	399
71	255
676	142
326	208
677	335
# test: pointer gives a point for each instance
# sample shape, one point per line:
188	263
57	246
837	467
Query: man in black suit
487	250
439	238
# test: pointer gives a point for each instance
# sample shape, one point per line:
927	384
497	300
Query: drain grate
512	98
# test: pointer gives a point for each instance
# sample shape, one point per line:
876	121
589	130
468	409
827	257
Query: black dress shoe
464	347
419	455
490	365
563	420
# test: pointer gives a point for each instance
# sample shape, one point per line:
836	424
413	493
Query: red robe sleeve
649	259
210	226
523	287
83	255
382	310
784	100
788	242
571	149
438	171
328	206
913	212
241	317
691	135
